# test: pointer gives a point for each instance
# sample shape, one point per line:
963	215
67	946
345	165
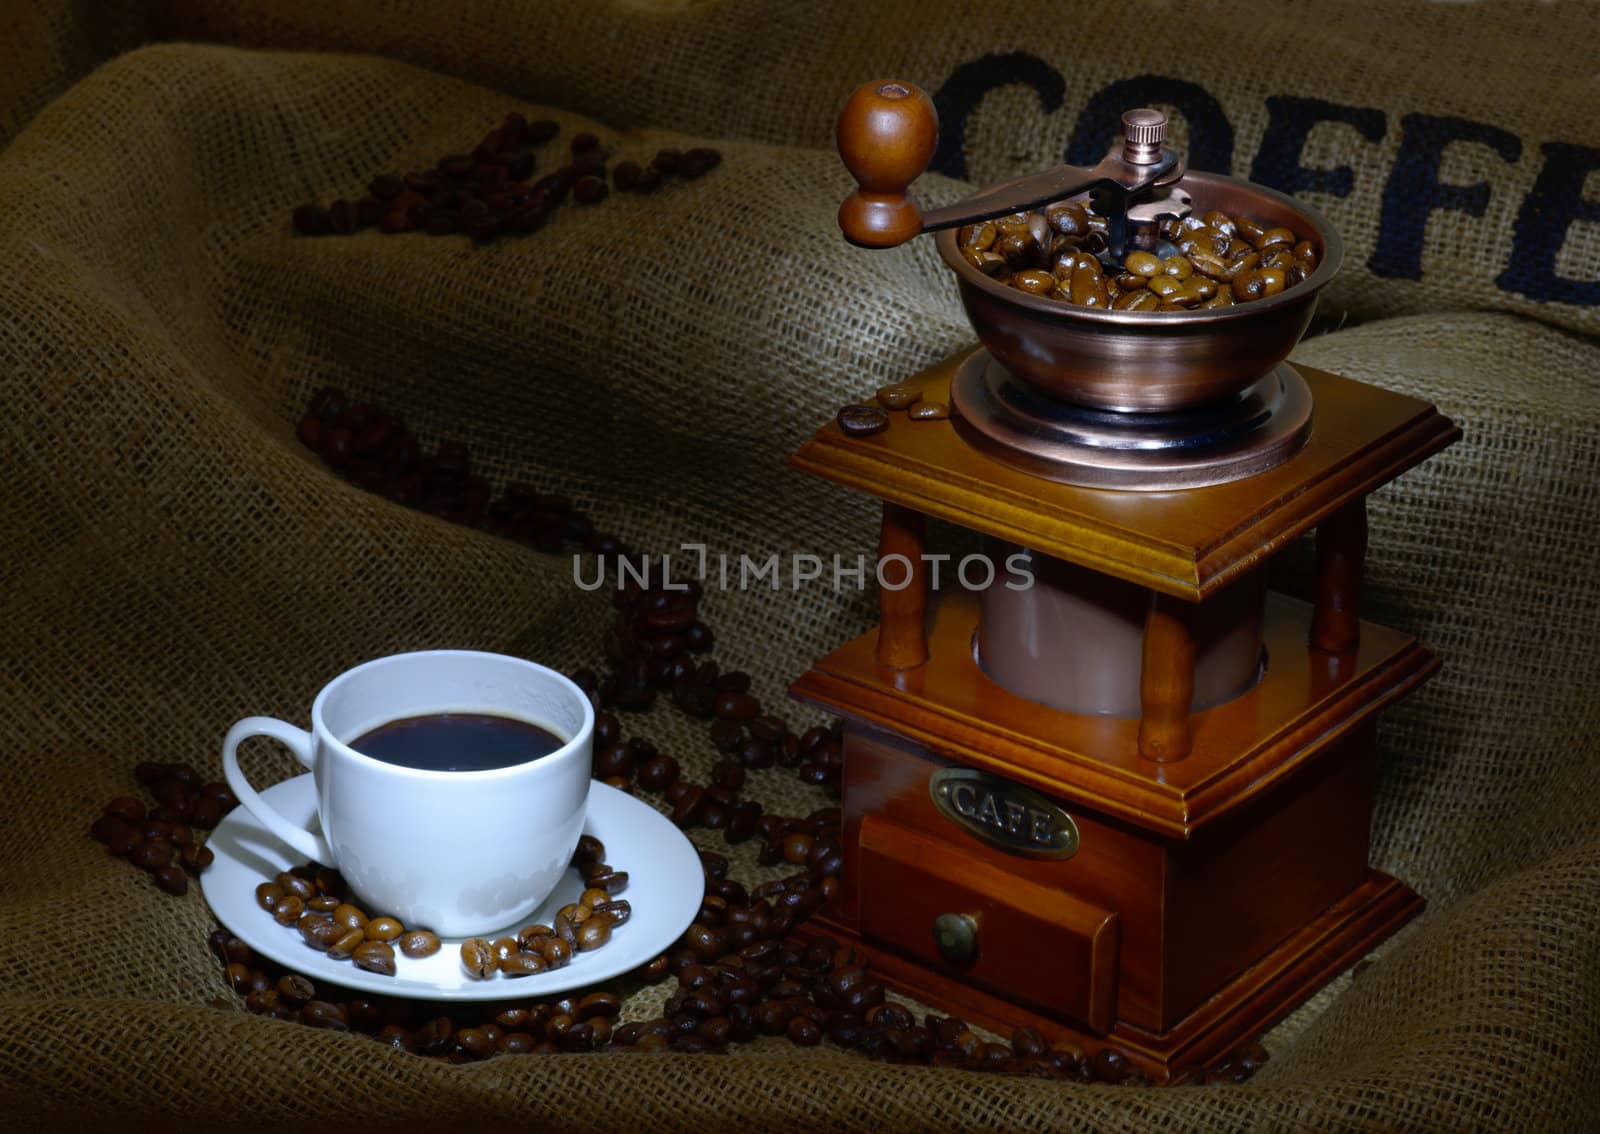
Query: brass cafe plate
1016	819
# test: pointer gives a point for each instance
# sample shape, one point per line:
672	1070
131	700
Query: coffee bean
319	931
208	813
295	989
617	760
564	930
523	964
693	166
584	143
289	910
261	1003
737	706
108	827
324	1014
1109	1065
1248	286
152	854
311	220
706	156
597	1004
689	804
576	914
592	934
556	951
126	808
375	957
658	773
238	977
928	411
343	217
796	847
900	396
589	849
590	190
368	212
217	942
626	175
294	884
862	421
383	929
123	841
478	958
395	1036
708	944
171	879
348	941
418	943
434	1036
1028	1042
324	903
515	1043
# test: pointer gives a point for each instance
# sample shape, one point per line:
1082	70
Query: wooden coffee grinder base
1171	883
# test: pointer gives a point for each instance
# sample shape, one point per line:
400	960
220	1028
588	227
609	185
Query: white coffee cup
460	853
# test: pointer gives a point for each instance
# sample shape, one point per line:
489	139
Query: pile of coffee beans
739	976
740	971
374	450
313	900
863	420
160	838
491	192
1219	260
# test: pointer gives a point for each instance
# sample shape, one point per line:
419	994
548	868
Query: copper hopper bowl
1152	361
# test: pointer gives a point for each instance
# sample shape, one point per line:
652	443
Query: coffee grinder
1123	793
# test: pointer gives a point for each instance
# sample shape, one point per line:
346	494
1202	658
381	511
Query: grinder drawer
1033	945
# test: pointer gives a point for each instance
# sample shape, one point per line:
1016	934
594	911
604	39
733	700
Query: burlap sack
1451	144
172	560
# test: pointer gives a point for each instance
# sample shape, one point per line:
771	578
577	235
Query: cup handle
298	741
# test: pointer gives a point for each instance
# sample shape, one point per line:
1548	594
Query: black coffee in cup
457	742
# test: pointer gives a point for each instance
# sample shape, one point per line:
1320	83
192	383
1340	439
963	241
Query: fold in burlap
172	560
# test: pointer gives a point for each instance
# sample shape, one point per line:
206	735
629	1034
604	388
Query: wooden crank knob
887	133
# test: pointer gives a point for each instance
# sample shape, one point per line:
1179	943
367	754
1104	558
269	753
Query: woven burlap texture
172	560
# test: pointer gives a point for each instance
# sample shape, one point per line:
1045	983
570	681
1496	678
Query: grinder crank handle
887	133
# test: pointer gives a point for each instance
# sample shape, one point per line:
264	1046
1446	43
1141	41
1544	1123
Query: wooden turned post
902	636
1341	557
1166	681
887	133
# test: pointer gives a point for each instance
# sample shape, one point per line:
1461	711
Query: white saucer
665	887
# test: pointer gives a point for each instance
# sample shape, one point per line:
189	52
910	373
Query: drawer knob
956	935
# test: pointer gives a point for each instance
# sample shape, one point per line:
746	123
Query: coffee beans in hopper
1220	260
493	191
